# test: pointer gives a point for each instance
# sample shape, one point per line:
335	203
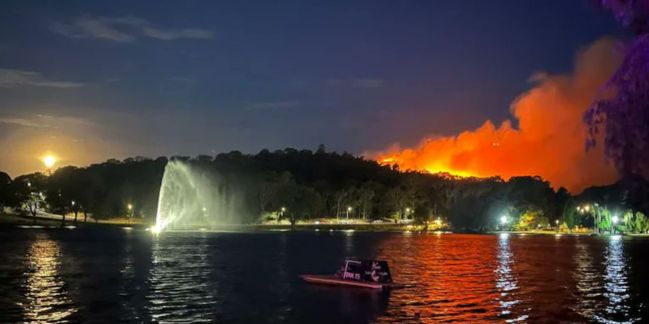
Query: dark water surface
116	275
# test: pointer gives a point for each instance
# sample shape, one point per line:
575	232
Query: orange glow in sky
545	138
433	167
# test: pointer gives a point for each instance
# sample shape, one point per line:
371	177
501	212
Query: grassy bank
25	220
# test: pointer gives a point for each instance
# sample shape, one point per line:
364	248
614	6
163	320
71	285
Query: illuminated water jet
193	199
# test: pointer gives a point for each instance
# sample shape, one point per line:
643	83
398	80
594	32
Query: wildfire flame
548	141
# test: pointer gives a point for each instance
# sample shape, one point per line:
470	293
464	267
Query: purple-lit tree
623	111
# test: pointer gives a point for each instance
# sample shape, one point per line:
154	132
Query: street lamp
614	220
281	214
130	210
504	220
407	212
349	209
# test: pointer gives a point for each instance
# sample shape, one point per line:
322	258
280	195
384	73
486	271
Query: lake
118	275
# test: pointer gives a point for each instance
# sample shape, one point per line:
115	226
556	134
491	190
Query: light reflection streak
615	280
506	282
349	242
47	298
587	281
281	286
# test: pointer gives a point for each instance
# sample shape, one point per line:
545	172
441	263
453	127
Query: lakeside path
28	220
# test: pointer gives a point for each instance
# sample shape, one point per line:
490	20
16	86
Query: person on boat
341	271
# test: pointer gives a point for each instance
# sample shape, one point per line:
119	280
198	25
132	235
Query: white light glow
49	160
155	229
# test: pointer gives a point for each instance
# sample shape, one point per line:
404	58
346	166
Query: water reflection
448	278
506	281
180	288
134	272
587	281
46	296
75	276
615	280
281	286
349	242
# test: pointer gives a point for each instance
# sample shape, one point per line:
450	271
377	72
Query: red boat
374	274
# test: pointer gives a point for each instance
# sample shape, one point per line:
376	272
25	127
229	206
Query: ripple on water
211	277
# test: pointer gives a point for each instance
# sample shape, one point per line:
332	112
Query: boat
373	274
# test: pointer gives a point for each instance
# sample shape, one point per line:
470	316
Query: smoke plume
547	139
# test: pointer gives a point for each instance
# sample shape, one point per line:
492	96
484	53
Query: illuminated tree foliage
622	113
532	219
635	222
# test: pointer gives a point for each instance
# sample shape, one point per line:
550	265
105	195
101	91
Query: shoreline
22	221
15	220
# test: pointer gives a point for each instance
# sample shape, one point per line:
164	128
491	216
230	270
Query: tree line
307	185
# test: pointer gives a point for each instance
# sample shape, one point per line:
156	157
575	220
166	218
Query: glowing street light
504	220
614	220
349	209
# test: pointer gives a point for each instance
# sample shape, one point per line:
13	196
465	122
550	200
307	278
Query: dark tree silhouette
5	190
622	114
316	185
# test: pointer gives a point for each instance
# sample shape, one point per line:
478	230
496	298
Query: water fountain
192	198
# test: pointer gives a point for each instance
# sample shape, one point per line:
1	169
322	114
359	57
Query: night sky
88	81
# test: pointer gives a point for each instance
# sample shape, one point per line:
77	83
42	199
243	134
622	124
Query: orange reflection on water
450	278
46	297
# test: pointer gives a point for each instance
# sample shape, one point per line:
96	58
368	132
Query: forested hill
313	185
